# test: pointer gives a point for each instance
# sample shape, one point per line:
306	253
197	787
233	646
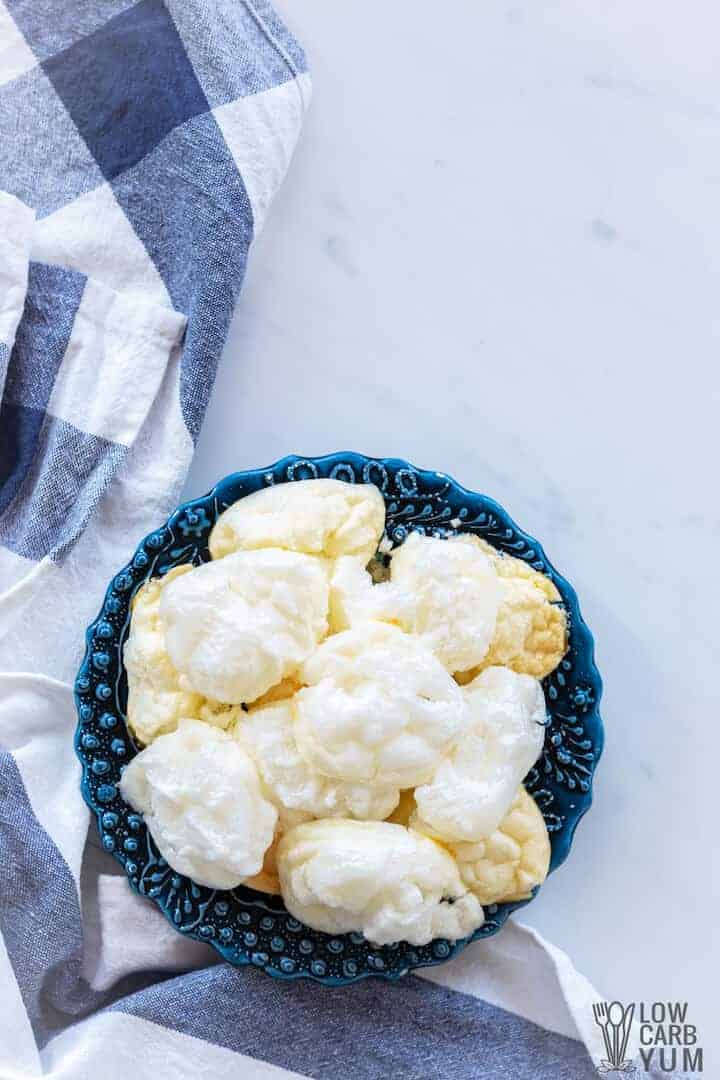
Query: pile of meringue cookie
341	722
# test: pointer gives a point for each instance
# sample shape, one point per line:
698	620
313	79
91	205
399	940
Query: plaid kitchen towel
141	142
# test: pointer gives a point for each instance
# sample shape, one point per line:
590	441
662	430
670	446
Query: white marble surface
497	254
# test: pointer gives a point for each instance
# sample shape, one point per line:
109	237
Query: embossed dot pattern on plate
248	927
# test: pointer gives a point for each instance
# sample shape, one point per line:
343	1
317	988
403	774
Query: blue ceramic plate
248	927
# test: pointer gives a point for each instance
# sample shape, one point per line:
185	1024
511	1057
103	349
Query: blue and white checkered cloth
141	143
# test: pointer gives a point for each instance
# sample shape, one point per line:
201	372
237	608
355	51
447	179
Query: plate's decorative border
247	927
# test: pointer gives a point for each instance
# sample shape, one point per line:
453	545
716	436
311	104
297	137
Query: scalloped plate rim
571	601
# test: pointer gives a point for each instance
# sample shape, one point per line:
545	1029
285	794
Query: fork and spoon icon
615	1021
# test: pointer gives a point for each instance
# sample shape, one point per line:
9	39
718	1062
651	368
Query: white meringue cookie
298	791
156	697
199	793
375	878
377	707
237	627
474	785
456	597
317	517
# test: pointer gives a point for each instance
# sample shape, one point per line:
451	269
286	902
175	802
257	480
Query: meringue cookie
531	629
317	517
237	627
512	860
378	707
474	785
156	698
298	792
456	597
375	878
200	795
